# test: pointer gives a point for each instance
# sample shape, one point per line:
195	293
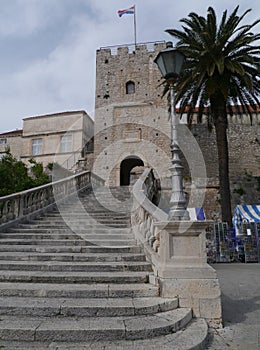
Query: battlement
127	49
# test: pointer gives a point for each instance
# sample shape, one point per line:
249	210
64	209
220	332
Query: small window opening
130	87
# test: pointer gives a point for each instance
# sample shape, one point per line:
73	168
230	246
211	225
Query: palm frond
222	60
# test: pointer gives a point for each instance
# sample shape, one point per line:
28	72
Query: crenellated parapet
126	49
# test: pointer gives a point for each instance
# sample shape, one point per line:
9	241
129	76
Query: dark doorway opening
125	168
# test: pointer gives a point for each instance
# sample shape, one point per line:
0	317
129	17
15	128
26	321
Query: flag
129	11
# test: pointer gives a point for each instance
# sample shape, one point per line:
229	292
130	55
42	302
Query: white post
182	269
135	26
178	209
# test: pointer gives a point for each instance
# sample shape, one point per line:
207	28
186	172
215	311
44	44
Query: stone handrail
146	214
27	204
177	252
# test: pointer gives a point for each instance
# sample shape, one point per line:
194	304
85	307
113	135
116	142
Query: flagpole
135	26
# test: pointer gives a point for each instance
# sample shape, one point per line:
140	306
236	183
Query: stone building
13	141
131	118
63	138
59	138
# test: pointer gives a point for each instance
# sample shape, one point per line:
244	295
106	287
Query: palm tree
221	73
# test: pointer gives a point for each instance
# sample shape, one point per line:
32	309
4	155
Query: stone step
59	236
90	220
61	229
72	230
76	266
102	290
88	210
119	208
112	243
37	236
109	208
192	337
109	205
93	328
58	219
74	277
108	195
105	205
45	242
82	307
90	257
105	197
68	249
92	223
84	205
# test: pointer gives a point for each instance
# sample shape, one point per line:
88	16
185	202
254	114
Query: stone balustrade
145	215
177	251
27	204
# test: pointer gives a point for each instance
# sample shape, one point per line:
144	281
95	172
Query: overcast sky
48	47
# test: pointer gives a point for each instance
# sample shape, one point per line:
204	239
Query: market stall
246	221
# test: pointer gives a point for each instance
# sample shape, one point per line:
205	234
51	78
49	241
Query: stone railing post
183	270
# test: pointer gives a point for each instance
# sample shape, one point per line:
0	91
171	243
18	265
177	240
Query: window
66	143
130	87
3	141
36	147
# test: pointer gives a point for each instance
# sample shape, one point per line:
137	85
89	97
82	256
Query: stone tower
132	127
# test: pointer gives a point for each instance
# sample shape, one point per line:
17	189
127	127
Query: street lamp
169	62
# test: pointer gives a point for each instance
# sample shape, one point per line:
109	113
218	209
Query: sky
48	47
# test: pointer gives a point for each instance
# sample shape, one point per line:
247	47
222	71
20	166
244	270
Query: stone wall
113	71
244	148
50	129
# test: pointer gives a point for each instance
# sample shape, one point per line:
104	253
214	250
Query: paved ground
240	285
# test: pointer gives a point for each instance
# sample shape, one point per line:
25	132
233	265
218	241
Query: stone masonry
130	124
135	124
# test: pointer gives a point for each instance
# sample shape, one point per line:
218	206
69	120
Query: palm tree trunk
219	114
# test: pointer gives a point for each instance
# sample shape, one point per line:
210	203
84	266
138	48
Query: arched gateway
125	169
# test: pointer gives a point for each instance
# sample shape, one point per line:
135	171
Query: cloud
22	17
64	36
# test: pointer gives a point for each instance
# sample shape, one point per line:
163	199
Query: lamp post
169	62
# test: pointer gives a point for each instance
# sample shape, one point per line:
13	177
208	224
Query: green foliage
39	177
222	62
220	75
50	166
14	175
239	191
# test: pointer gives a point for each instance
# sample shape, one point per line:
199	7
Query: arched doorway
125	168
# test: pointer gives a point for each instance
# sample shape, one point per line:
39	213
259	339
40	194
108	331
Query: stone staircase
75	278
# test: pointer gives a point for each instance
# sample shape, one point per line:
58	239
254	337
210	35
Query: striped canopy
245	213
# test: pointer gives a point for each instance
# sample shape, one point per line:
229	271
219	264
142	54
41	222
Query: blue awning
197	214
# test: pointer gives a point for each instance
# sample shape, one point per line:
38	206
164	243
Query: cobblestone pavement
240	286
